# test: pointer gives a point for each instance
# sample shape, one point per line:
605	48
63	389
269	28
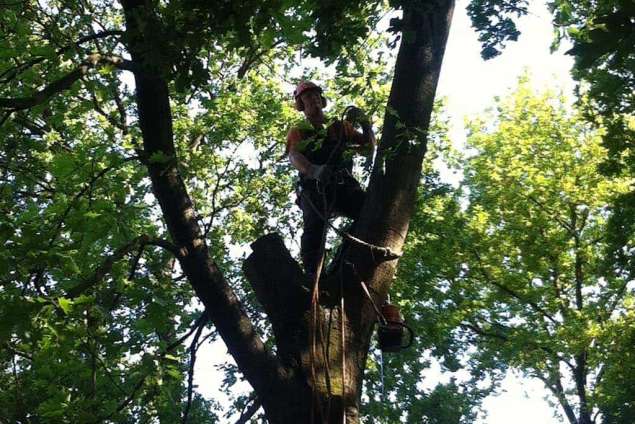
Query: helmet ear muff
299	106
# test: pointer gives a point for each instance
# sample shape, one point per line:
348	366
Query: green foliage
93	309
518	277
397	386
603	37
493	19
90	313
616	396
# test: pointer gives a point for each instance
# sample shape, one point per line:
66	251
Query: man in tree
321	153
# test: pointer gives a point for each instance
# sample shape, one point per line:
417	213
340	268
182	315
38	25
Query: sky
470	85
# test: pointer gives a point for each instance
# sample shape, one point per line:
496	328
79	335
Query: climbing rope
316	327
316	324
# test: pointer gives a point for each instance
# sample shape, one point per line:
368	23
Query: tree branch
63	83
11	73
88	187
246	414
503	337
511	292
199	324
17	352
253	57
190	373
554	383
544	207
107	265
225	310
5	117
280	287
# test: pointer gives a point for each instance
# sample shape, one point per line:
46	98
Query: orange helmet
303	87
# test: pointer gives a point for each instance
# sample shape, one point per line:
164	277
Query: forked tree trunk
317	371
333	366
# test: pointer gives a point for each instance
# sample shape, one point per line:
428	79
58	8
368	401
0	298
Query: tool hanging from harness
392	326
392	331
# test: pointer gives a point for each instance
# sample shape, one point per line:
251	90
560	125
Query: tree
518	278
97	274
603	36
88	268
603	40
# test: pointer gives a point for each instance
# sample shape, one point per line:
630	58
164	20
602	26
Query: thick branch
63	83
260	368
389	204
105	268
554	383
280	287
580	377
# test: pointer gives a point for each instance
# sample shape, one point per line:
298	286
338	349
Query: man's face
312	101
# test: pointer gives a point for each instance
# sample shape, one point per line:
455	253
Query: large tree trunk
316	374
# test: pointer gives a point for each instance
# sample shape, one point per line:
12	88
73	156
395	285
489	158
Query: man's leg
311	246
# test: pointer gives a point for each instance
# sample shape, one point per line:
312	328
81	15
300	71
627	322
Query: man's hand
355	115
321	173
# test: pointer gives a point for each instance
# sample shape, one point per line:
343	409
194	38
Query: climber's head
309	99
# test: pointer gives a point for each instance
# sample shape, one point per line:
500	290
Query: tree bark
316	374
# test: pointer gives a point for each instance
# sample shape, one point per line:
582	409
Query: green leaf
65	304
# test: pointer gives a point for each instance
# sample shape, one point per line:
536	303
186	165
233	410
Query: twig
253	58
200	322
103	269
190	374
5	117
83	191
17	352
511	292
478	330
544	207
128	400
11	73
249	412
122	405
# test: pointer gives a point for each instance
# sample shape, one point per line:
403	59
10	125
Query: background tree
517	278
603	37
